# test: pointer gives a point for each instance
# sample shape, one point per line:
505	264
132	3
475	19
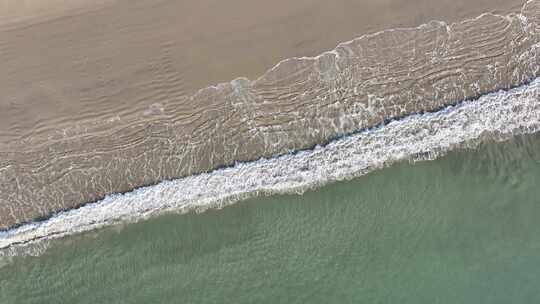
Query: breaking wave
427	136
300	102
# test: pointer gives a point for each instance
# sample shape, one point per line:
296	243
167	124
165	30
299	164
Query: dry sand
101	98
63	61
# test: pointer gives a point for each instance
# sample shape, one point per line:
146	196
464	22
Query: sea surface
91	111
401	166
460	229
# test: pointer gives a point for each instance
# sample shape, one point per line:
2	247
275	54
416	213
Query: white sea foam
423	136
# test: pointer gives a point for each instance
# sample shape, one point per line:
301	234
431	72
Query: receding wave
426	136
297	104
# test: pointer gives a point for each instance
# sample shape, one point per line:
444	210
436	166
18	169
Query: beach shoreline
170	129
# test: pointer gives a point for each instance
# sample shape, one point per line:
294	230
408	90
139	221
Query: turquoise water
462	229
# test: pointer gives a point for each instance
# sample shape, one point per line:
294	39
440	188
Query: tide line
498	115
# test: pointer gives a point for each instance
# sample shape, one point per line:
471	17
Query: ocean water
298	103
460	229
497	115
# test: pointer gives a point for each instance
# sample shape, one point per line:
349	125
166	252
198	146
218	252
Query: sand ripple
299	103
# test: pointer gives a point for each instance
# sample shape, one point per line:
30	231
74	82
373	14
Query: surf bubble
427	136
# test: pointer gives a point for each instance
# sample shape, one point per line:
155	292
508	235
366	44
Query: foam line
498	115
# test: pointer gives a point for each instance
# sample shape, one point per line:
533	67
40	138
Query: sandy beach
65	61
285	151
106	96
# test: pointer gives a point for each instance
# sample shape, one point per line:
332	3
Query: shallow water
109	125
462	229
422	136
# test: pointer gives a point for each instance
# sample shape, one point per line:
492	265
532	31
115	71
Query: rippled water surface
462	229
81	125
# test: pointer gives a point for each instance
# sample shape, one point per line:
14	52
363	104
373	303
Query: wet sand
75	60
104	98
